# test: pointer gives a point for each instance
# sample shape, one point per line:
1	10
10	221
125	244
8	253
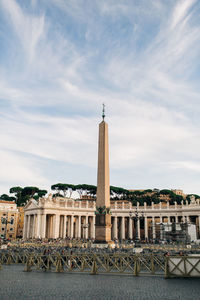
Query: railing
93	263
186	266
124	205
100	263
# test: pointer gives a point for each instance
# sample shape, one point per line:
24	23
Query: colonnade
62	217
83	226
124	227
59	226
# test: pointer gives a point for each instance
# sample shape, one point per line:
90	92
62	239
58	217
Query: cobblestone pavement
16	284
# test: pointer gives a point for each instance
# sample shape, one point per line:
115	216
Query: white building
65	217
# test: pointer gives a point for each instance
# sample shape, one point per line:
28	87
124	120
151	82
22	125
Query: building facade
70	218
20	222
8	218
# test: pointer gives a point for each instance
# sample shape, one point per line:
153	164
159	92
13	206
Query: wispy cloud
71	56
29	28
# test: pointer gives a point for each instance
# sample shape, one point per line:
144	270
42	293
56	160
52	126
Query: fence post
94	266
48	263
28	265
136	267
152	264
167	275
9	259
59	267
82	264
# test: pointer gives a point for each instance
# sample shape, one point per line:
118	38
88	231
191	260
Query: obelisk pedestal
103	216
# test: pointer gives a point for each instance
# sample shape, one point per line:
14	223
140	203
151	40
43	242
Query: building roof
9	202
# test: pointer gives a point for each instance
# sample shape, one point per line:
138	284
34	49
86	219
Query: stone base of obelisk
103	229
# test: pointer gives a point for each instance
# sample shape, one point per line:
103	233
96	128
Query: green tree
39	194
79	190
17	191
60	187
6	197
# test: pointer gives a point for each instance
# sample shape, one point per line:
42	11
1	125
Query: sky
61	59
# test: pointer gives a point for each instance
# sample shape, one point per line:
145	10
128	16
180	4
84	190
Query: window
11	228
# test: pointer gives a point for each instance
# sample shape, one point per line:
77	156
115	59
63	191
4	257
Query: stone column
79	227
34	226
28	227
115	228
86	229
93	227
72	227
188	219
25	228
138	228
64	227
130	229
176	219
69	226
38	234
199	226
153	228
51	231
56	226
122	228
146	228
61	226
43	234
168	219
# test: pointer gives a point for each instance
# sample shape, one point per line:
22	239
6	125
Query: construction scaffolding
170	232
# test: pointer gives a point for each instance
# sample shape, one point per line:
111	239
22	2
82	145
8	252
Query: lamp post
136	215
161	232
4	220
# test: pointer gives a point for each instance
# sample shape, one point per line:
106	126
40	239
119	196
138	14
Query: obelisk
103	216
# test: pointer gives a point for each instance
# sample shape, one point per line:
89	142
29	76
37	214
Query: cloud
141	59
181	12
17	170
190	165
29	29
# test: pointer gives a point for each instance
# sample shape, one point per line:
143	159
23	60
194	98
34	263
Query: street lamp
136	215
162	227
4	220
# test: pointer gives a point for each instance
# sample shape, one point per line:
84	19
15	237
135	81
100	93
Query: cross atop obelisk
103	216
103	112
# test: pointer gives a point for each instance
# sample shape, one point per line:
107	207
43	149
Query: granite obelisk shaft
103	176
103	219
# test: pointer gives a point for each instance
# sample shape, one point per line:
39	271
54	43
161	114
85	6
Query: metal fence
119	263
185	266
92	263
